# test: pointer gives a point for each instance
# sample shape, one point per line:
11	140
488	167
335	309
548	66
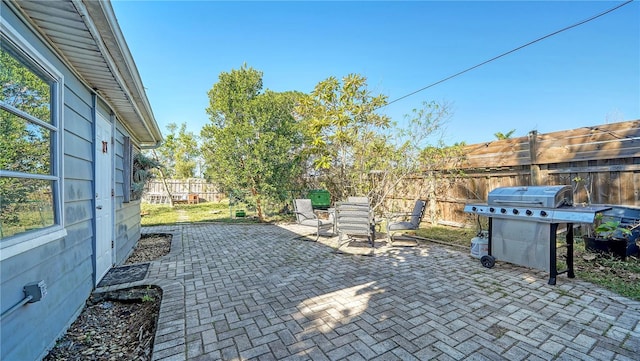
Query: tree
176	157
502	136
344	133
419	149
253	139
357	151
179	152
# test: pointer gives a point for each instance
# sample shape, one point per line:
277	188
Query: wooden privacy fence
193	190
601	163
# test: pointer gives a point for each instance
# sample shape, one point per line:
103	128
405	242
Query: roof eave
102	61
104	19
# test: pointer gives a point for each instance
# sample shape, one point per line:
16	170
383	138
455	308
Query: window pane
24	146
23	88
25	204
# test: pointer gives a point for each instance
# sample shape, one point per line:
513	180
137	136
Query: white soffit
86	34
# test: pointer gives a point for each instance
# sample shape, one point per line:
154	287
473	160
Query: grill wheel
488	261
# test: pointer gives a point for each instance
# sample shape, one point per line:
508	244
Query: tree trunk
258	204
164	179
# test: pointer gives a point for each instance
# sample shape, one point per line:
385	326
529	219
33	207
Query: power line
511	51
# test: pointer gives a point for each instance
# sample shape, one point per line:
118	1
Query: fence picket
180	190
606	157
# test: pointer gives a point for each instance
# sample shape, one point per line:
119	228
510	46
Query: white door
103	198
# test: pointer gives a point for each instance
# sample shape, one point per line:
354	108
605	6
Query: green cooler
320	198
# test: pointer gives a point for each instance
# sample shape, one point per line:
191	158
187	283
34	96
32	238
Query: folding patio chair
397	222
305	216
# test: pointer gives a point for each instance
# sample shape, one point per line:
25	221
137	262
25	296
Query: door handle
99	207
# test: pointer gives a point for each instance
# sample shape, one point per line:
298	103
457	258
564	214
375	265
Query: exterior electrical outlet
37	290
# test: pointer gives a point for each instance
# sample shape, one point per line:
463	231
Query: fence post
534	168
432	198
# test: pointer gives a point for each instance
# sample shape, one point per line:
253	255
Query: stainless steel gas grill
523	223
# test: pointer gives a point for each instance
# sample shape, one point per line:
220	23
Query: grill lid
533	196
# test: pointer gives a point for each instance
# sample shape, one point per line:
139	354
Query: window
29	146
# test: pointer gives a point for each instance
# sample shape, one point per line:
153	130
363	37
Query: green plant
610	229
142	166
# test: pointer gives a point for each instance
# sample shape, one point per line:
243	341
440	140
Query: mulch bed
118	325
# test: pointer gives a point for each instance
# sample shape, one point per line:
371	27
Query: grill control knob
492	209
528	212
543	214
515	211
503	211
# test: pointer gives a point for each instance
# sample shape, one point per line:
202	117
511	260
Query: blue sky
588	75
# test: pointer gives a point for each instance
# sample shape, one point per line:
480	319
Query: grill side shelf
536	214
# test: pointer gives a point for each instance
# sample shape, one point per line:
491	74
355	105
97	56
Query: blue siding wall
66	265
127	213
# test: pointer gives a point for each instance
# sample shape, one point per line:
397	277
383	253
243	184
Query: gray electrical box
37	290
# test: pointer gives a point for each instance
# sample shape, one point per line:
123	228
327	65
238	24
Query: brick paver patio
254	292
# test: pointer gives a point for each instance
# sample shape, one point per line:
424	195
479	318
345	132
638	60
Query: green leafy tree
179	152
253	139
344	133
418	149
357	151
